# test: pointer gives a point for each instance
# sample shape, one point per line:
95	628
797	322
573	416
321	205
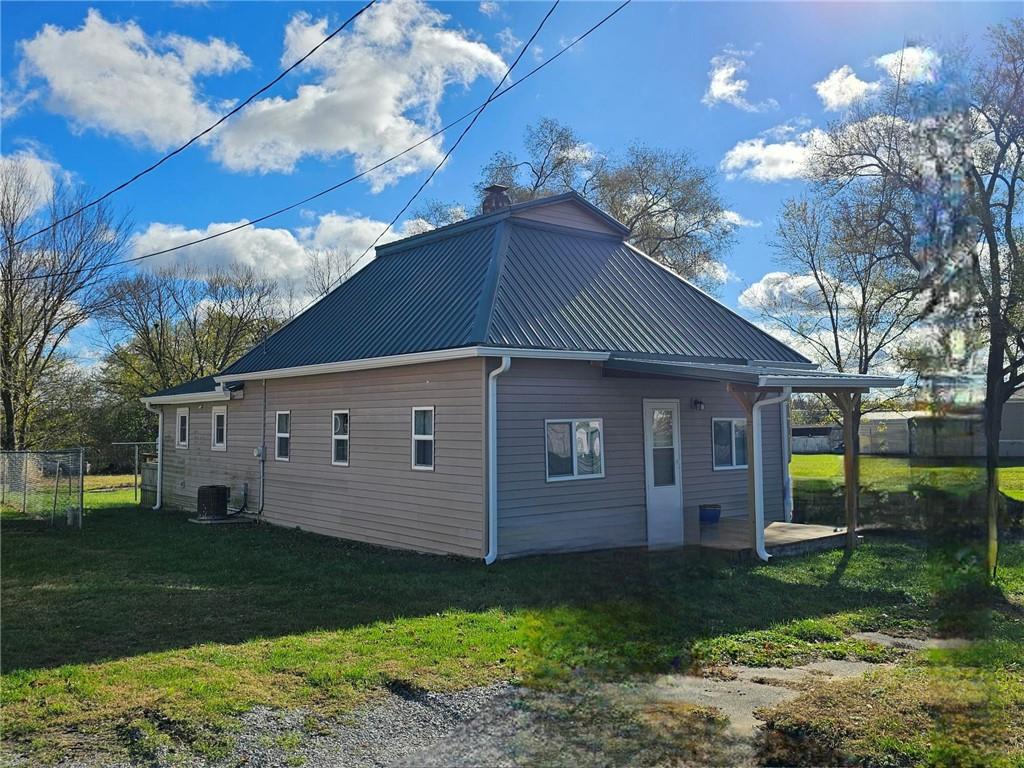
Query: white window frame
218	410
287	434
424	438
335	438
733	420
177	428
572	442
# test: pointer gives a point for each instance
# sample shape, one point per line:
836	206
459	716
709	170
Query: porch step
781	539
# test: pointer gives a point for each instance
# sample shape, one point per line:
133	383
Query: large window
730	443
181	431
575	448
219	428
283	444
423	437
339	438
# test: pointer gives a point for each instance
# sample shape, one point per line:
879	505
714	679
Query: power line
350	179
200	135
444	159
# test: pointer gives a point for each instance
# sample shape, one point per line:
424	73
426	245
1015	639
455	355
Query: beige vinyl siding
378	498
567	214
536	515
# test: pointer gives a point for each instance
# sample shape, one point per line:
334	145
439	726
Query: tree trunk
7	439
993	428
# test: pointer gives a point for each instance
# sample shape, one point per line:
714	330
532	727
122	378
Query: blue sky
645	77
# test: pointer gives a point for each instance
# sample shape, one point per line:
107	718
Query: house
523	381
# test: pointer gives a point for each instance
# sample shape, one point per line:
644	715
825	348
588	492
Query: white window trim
214	412
177	427
430	437
335	438
732	443
287	434
572	429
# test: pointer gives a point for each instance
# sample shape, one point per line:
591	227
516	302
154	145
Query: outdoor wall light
697	405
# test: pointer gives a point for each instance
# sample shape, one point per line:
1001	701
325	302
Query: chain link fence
44	485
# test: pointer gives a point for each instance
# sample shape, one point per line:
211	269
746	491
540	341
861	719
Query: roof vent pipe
496	197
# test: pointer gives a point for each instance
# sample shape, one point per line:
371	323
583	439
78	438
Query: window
283	445
181	435
339	439
219	428
423	438
729	438
575	448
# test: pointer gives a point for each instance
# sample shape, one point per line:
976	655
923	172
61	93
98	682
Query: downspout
492	459
762	553
263	451
159	455
787	478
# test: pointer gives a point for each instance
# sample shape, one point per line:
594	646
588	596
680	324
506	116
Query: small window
339	438
283	445
575	448
181	435
729	438
219	428
423	438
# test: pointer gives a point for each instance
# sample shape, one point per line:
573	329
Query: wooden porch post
849	404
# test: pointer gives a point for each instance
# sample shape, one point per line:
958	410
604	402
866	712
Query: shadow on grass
135	581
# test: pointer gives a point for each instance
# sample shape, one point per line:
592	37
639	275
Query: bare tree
178	324
325	268
51	284
957	146
670	203
847	294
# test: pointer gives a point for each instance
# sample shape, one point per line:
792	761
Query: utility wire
350	179
200	135
444	159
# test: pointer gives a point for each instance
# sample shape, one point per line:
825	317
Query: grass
954	706
884	473
141	629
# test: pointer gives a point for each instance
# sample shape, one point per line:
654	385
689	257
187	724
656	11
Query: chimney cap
496	196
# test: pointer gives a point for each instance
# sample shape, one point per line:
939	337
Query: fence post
56	490
24	483
81	485
135	475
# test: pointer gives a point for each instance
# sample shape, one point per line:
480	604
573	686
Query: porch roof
769	375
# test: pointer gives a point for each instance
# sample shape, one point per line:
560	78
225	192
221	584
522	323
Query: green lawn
883	473
144	620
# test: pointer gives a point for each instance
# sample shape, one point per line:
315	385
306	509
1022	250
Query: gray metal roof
196	386
499	280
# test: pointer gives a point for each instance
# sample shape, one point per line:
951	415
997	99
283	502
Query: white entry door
663	468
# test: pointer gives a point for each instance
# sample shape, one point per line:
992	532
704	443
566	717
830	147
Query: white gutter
759	471
412	358
159	454
787	478
829	381
492	459
263	451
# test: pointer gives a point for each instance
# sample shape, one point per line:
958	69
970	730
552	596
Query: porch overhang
756	384
799	377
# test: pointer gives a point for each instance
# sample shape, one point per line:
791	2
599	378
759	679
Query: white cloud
761	159
738	220
114	78
279	253
489	8
780	289
916	63
376	91
725	86
41	174
842	88
508	40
